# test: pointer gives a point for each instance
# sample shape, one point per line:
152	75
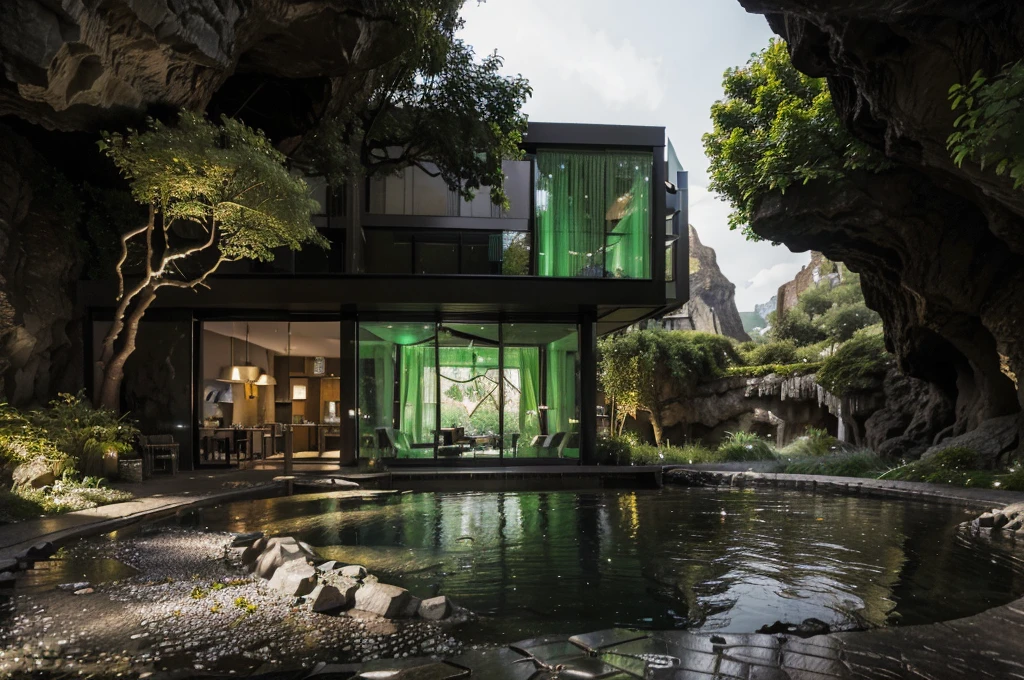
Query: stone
354	571
295	578
246	540
411	608
252	554
38	552
999	520
36	474
989	439
382	599
1014	525
71	587
278	554
435	608
328	566
7	579
84	591
712	304
325	599
985	520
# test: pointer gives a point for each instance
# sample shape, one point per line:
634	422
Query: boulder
328	566
36	473
382	599
411	608
246	540
990	439
84	591
39	551
985	520
327	598
278	554
252	554
435	608
295	578
72	587
1015	525
999	520
354	571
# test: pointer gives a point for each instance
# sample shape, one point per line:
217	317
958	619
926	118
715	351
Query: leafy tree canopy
990	129
435	106
774	128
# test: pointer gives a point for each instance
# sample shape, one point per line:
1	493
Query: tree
647	370
774	128
434	106
214	194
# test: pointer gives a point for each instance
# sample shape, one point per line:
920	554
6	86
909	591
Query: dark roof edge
595	135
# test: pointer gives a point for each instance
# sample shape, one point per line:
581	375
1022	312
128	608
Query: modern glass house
435	330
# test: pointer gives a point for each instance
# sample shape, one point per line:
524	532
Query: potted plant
129	467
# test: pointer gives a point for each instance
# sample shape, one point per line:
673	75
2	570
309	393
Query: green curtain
561	388
593	214
417	414
381	410
527	359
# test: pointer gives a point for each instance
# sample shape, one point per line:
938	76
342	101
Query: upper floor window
415	192
593	214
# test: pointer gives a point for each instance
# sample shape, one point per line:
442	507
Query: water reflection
724	560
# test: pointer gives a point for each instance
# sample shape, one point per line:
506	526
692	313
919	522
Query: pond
721	560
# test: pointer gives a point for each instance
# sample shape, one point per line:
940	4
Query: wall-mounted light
298	392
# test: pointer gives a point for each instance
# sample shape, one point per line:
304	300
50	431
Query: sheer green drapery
417	407
376	386
527	360
561	386
593	214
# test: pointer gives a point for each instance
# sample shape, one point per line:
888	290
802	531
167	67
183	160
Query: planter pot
110	464
130	470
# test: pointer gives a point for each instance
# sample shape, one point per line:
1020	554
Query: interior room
258	376
468	390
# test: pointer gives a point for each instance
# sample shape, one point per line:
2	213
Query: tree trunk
656	424
113	370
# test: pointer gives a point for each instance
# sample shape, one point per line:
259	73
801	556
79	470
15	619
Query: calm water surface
706	559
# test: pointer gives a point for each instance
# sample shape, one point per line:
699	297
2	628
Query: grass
860	463
743	446
15	507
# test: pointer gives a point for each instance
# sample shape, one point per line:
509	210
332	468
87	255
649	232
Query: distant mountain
752	320
766	308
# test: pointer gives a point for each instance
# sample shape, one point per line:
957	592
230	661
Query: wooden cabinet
330	389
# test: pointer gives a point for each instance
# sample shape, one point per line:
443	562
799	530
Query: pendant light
240	374
265	379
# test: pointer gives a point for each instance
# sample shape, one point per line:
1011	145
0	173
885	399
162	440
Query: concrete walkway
154	498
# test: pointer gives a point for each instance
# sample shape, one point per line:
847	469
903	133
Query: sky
642	62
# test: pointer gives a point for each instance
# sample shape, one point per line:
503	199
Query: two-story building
434	329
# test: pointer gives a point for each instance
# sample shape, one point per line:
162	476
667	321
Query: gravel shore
191	609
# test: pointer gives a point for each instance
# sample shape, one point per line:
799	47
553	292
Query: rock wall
712	303
39	265
790	292
940	248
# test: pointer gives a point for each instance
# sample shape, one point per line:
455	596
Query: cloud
578	73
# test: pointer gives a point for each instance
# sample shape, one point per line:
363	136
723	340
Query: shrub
612	451
861	463
769	369
774	352
794	325
743	446
858	365
841	321
1013	481
955	465
815	442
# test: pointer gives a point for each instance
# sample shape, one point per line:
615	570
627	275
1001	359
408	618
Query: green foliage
627	451
434	105
776	127
858	365
774	352
243	603
861	463
990	131
1014	481
15	507
815	442
224	180
637	369
516	257
840	322
958	466
743	446
783	370
795	326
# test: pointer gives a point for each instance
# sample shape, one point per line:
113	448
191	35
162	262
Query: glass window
387	252
397	388
593	214
437	253
541	404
